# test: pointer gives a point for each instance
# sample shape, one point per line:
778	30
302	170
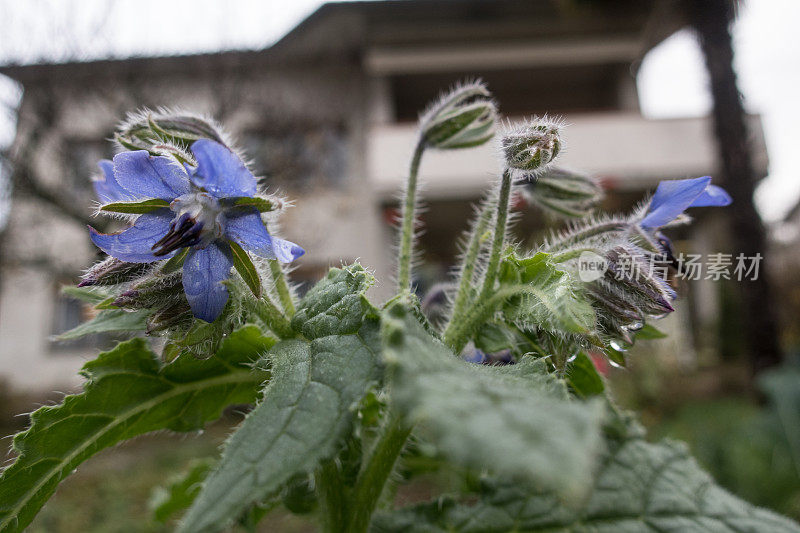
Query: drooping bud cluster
631	291
532	146
462	118
631	287
562	192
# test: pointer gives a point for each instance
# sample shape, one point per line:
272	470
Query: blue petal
135	244
147	176
475	356
247	229
106	188
220	171
713	196
672	198
203	273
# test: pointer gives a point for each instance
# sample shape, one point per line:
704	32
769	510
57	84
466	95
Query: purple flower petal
672	198
475	356
106	188
134	244
713	196
147	176
249	232
203	273
220	171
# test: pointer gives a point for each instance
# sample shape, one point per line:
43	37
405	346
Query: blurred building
328	115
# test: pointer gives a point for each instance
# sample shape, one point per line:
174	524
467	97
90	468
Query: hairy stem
590	231
281	286
500	221
409	217
376	471
469	264
460	325
330	487
571	254
268	312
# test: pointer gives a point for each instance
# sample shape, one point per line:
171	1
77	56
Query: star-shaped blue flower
202	216
674	197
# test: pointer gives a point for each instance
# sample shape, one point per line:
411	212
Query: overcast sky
672	79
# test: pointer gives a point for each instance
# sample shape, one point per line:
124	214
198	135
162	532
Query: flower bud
533	145
636	280
112	271
462	118
563	192
158	291
152	131
169	316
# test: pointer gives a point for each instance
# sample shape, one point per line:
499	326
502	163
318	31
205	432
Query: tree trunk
711	20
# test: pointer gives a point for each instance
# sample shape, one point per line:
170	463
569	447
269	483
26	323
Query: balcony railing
626	150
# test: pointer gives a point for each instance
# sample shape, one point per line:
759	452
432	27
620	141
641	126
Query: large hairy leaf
641	487
308	407
107	321
515	420
543	296
129	391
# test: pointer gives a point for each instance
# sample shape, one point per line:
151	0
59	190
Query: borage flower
204	208
674	197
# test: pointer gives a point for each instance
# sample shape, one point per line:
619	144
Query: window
298	159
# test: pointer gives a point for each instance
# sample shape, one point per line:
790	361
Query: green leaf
166	502
514	420
85	294
128	392
308	407
264	205
109	320
543	296
336	304
245	267
583	377
640	487
649	332
135	208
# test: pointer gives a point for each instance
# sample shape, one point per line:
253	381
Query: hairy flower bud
562	192
634	275
461	118
112	271
160	132
158	291
169	316
533	145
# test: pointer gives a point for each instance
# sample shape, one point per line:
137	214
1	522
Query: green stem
373	476
501	218
460	326
590	231
408	217
571	254
281	286
469	264
268	312
334	502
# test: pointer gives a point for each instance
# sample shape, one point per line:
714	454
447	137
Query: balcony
626	150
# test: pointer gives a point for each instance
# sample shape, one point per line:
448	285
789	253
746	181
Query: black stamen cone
185	231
